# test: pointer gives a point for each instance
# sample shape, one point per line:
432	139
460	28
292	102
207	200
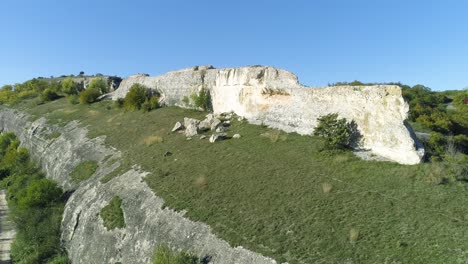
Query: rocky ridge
147	222
274	97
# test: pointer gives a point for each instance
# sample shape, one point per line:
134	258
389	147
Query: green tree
89	96
98	84
336	131
49	95
69	87
135	98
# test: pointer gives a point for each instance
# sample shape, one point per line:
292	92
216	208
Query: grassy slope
267	196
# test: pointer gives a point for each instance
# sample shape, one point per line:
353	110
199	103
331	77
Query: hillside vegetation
36	206
281	194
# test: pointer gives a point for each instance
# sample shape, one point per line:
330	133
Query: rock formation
148	224
274	97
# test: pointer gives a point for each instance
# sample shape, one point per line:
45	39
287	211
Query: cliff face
147	223
265	95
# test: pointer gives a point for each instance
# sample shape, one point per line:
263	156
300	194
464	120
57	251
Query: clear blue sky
322	41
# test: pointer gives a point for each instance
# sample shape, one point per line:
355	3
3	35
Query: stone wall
266	95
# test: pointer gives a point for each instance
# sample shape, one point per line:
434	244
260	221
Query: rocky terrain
147	222
274	97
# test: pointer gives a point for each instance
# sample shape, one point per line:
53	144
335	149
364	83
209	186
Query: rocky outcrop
147	222
274	97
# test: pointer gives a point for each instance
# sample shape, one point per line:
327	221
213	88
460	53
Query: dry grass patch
201	182
275	135
326	187
151	140
353	235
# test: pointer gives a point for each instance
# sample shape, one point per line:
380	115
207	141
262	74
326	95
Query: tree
69	86
81	73
336	131
135	98
89	96
98	84
49	95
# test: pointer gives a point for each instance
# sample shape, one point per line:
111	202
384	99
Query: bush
69	86
89	96
99	84
36	206
119	103
49	95
202	99
150	104
135	98
337	132
8	97
73	99
112	214
435	145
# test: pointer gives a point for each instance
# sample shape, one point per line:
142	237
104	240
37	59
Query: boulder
221	129
191	130
205	125
178	126
203	137
216	122
217	137
236	136
191	121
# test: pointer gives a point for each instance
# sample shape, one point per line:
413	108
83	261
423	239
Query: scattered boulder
191	131
221	129
236	136
203	137
216	122
227	123
191	121
178	126
167	154
191	125
218	137
205	125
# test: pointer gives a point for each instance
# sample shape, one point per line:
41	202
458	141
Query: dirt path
7	231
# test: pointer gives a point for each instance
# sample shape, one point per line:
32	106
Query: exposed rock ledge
147	224
265	95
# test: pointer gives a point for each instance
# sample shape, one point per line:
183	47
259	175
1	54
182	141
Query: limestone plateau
274	97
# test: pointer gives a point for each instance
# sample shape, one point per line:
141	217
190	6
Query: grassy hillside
280	195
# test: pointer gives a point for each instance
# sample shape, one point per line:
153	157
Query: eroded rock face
274	97
147	223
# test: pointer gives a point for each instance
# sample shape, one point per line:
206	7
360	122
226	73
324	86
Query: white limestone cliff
266	95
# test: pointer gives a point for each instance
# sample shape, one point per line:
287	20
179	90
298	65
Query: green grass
83	171
268	195
164	255
53	135
112	214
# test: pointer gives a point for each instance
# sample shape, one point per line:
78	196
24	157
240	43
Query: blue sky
320	41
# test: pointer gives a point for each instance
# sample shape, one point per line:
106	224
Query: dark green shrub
135	97
89	96
436	145
49	95
337	132
150	104
119	103
112	214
